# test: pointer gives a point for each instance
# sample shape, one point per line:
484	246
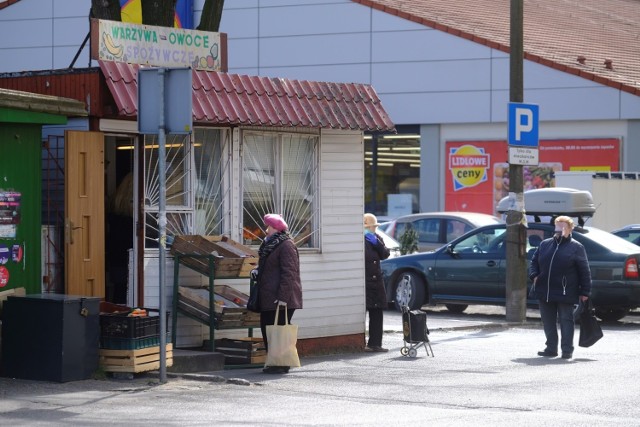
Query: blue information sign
523	124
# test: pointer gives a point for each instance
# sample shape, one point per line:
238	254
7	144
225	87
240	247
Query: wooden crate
226	263
228	313
249	256
134	361
242	351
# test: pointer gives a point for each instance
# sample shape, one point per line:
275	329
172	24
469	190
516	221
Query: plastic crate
119	325
112	343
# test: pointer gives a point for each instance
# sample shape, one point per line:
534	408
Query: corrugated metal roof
598	40
41	103
233	99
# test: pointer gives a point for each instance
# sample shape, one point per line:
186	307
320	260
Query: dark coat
376	297
279	277
562	270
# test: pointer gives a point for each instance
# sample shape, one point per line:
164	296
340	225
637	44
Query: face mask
561	230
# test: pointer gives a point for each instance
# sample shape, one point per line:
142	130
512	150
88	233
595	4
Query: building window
280	175
392	167
197	184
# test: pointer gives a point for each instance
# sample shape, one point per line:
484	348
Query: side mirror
449	249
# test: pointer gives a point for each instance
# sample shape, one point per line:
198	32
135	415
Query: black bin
414	326
50	337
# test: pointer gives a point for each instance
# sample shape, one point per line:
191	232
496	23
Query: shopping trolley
415	331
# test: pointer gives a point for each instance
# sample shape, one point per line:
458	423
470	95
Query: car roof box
553	202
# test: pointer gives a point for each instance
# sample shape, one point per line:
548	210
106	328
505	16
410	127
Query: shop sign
157	46
478	175
468	166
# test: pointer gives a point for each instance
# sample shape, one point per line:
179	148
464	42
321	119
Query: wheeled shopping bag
415	331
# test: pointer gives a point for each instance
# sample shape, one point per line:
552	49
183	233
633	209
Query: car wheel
456	308
611	314
409	291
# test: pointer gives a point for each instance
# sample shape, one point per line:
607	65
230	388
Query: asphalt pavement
485	372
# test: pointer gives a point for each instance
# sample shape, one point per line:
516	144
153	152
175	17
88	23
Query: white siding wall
332	280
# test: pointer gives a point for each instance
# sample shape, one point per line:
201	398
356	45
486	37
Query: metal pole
162	228
374	173
516	274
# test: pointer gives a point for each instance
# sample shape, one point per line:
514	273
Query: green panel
11	115
20	172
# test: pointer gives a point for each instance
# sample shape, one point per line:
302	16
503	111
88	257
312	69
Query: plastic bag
590	330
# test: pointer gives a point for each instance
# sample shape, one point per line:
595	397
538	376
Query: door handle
491	263
69	228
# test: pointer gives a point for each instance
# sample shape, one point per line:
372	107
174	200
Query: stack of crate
132	343
242	351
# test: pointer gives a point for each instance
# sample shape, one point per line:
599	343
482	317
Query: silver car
391	243
435	229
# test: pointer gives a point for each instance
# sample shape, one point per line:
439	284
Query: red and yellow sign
468	165
478	176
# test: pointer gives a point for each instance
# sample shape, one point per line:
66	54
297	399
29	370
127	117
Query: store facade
258	145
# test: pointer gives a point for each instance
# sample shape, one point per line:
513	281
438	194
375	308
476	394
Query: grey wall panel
444	107
243	53
314	50
237	23
69	31
27	33
437	76
30	10
24	59
323	18
328	73
629	106
424	45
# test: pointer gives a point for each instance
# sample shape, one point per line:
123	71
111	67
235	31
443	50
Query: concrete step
192	361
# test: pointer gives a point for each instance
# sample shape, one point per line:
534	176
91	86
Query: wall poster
477	172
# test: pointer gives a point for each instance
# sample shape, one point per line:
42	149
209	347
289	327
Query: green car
472	270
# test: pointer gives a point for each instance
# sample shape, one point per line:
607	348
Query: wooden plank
153	366
133	361
133	353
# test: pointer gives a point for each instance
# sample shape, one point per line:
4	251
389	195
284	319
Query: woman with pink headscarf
278	278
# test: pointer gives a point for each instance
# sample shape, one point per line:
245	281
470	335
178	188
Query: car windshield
611	241
485	241
391	244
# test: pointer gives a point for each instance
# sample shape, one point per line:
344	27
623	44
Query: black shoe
567	355
548	353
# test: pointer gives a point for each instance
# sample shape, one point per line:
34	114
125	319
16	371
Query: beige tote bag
282	343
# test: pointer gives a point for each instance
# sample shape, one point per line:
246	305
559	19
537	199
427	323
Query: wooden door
84	214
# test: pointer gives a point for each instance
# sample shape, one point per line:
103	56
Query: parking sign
523	124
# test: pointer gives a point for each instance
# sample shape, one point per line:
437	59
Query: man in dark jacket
376	297
561	276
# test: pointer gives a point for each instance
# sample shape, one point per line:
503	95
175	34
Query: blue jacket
375	294
562	270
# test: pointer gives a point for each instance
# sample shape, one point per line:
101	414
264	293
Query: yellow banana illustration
114	50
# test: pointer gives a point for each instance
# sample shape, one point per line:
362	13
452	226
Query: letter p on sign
523	124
